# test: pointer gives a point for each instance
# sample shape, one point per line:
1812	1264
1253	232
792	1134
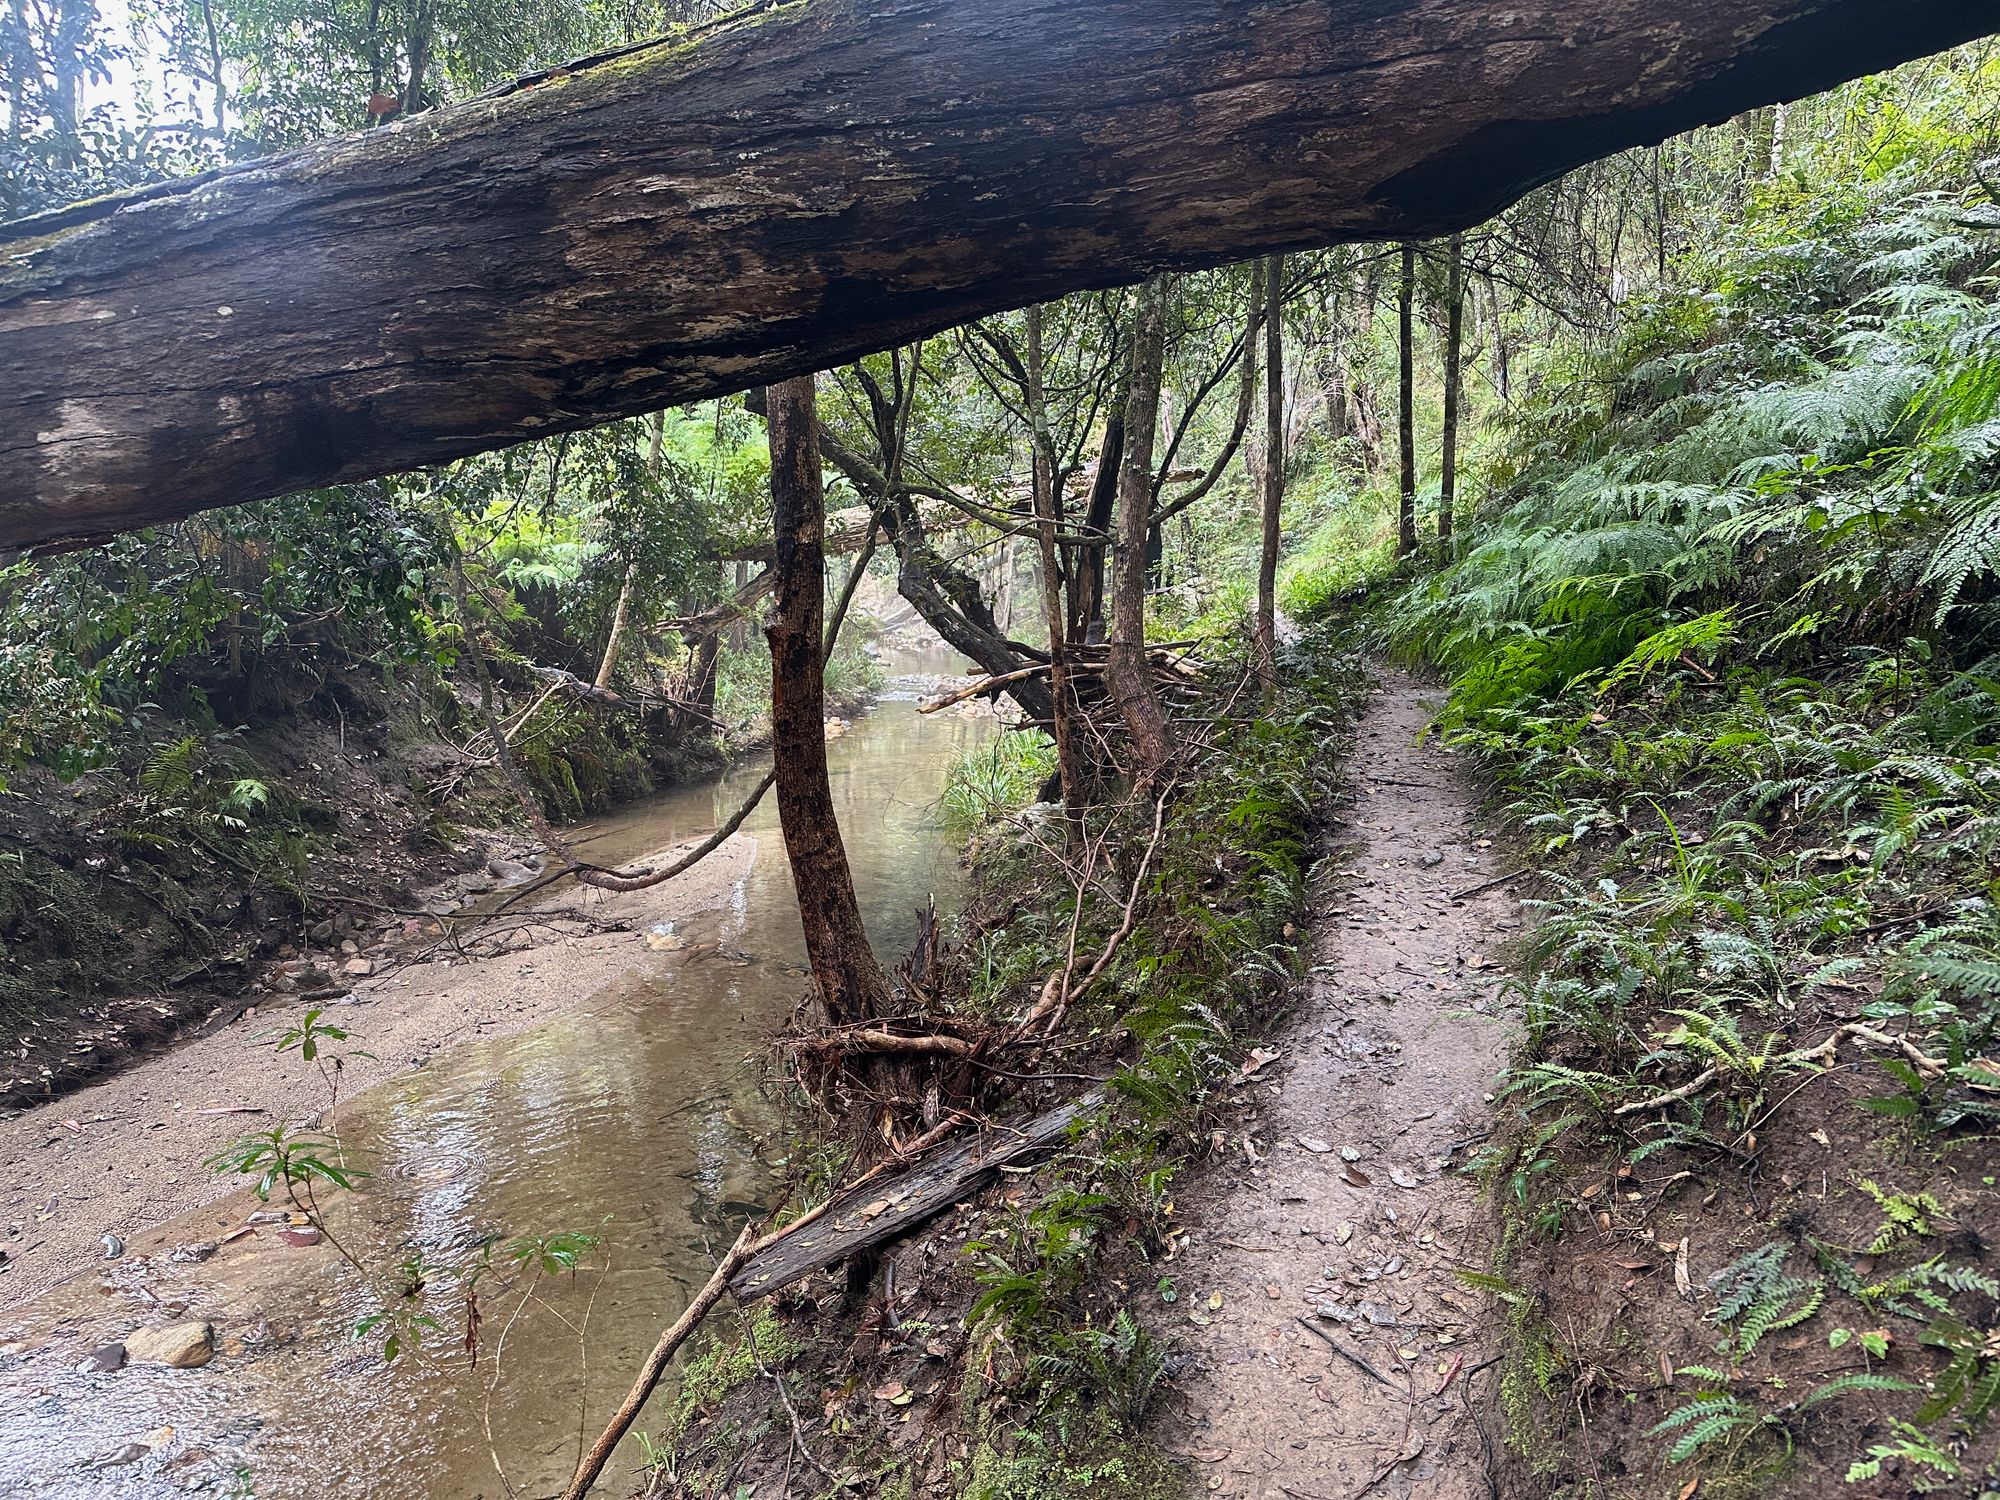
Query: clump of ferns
1756	1296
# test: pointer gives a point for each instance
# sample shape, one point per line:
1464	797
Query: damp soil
1331	1349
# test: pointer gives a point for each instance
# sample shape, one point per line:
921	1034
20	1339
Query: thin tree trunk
1130	681
616	637
1265	632
1406	415
1087	587
1069	763
1454	353
851	983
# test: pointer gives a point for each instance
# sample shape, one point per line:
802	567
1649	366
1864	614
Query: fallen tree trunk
795	188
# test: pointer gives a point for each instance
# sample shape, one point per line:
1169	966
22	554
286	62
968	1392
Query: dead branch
656	1363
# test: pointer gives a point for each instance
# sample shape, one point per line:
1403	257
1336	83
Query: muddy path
1337	1353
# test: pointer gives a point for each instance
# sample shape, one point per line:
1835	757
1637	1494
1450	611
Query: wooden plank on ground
877	1212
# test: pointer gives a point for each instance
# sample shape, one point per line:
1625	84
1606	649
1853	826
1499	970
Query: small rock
113	1247
322	932
349	947
184	1346
130	1453
103	1360
1381	1314
359	968
301	1237
1432	859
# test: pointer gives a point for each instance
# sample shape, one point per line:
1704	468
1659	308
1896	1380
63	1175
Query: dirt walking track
1338	1353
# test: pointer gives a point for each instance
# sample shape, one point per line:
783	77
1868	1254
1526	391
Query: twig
1352	1358
785	1399
1487	885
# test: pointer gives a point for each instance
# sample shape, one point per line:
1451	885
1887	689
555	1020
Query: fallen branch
1923	1062
875	1039
1487	885
670	1340
1347	1354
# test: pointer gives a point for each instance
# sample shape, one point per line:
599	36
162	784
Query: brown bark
1125	667
1069	759
1454	384
1406	400
793	188
852	984
1264	634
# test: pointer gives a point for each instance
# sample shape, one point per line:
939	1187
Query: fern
1756	1294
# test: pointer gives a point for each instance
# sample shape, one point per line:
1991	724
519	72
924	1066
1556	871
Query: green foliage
1756	1295
985	782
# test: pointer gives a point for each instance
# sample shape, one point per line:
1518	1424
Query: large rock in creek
185	1346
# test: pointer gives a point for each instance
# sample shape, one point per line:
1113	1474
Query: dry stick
1925	1064
1352	1358
1487	885
785	1399
656	1365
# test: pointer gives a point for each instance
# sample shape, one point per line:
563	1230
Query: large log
796	188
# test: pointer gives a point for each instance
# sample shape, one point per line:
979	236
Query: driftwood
874	1213
796	187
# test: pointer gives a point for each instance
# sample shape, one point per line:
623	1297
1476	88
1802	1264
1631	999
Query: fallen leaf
1208	1455
1215	1301
1354	1176
1688	1489
1401	1178
1314	1144
1682	1283
1254	1063
888	1392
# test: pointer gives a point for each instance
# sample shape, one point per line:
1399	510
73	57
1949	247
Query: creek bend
634	1113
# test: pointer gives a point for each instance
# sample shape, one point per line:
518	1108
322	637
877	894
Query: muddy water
636	1116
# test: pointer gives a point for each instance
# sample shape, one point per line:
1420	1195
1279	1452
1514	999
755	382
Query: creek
636	1115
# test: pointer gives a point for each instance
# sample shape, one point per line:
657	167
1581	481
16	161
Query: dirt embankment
125	1153
152	899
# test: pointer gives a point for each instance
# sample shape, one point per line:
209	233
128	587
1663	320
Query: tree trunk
796	186
1406	397
1126	672
1265	633
851	983
1069	760
1454	354
1087	590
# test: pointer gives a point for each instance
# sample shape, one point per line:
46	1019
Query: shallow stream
636	1115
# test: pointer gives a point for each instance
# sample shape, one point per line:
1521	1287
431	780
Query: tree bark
1062	705
852	985
1454	388
794	187
1406	400
1125	669
1265	633
1087	591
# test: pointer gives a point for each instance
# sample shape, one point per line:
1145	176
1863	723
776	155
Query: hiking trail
1337	1354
